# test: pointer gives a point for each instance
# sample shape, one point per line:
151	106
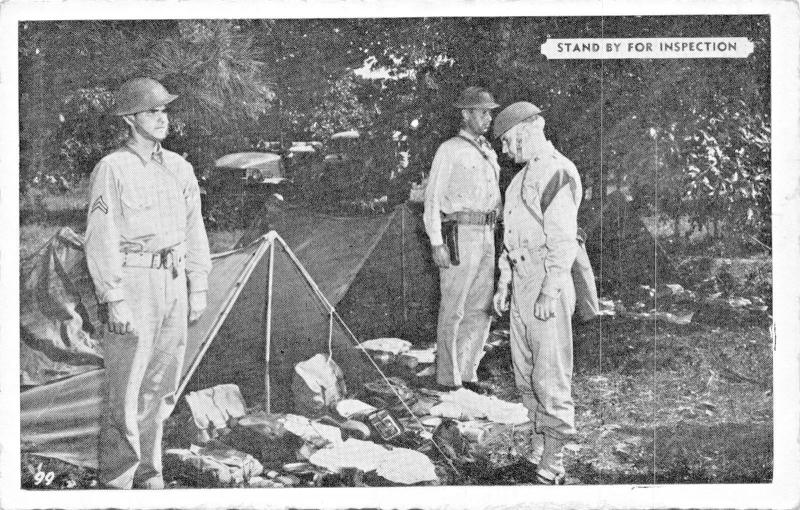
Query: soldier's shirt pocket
138	210
464	184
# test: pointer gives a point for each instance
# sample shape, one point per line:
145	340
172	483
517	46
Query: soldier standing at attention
540	244
145	244
463	189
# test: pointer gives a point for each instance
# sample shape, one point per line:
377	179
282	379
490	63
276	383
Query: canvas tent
377	270
260	292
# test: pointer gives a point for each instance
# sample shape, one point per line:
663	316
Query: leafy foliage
683	136
728	172
68	69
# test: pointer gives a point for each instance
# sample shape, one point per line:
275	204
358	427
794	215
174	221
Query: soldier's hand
440	255
544	308
120	320
197	305
500	300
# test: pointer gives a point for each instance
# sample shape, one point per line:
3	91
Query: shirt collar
146	154
480	139
547	150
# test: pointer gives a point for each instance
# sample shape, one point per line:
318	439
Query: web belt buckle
163	258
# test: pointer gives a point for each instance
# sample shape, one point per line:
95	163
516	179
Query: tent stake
268	328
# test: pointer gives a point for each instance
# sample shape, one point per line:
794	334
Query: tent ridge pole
230	299
268	327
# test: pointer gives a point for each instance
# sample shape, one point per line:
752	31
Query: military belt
472	217
168	258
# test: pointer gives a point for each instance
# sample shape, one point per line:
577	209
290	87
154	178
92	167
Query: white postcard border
782	493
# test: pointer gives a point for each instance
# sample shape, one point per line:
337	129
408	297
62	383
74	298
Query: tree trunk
39	122
676	222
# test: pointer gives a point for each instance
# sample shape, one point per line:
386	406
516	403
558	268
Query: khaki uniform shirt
462	178
550	236
143	202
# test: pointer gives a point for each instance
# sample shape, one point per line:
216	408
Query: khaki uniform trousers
465	307
142	374
541	351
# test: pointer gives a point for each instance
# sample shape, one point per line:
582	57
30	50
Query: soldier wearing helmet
145	244
539	248
463	193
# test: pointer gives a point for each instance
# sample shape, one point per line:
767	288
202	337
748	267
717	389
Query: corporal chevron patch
99	204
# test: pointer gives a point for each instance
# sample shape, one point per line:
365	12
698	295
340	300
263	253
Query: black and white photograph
344	255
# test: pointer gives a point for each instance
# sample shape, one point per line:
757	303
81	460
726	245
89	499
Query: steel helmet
139	95
475	97
512	115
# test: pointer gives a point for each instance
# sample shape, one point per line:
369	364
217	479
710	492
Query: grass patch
38	205
690	405
680	453
43	213
654	403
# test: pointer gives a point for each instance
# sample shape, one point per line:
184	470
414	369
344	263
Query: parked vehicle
343	146
238	185
303	161
254	168
343	173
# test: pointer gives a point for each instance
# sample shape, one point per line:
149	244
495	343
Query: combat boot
154	482
536	448
551	466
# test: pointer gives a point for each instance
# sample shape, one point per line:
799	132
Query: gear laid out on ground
387	432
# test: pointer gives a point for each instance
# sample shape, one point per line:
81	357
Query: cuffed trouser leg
541	352
160	381
551	465
465	307
141	369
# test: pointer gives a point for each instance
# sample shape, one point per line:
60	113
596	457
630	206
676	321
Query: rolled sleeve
560	230
102	240
198	258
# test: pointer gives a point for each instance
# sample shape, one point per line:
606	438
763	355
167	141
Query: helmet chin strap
538	144
139	136
530	139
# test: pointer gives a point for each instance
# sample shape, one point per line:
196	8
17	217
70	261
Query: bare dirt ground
656	402
699	410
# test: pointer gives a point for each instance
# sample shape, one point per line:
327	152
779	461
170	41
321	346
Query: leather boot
551	467
536	447
154	482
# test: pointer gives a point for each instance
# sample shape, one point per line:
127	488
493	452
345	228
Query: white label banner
650	47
